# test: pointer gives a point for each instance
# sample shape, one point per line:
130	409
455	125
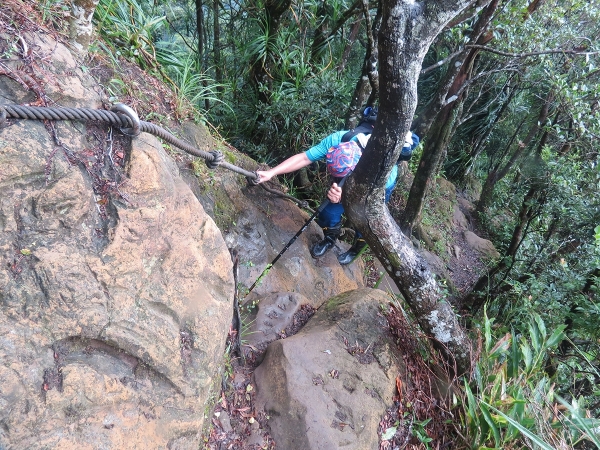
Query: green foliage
130	29
299	117
192	84
54	11
511	401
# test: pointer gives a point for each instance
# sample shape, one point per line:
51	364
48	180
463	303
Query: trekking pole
300	231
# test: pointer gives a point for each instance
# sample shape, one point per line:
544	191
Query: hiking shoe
359	246
321	247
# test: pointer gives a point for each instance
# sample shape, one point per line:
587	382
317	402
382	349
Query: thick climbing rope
125	118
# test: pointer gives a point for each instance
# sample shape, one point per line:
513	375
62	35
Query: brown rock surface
483	246
328	386
115	285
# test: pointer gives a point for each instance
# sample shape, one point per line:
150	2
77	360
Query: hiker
330	218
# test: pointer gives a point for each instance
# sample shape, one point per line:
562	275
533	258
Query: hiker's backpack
365	126
342	158
409	146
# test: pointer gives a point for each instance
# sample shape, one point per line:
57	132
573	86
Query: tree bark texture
430	161
483	137
530	207
408	29
349	44
200	32
321	35
458	74
441	121
80	24
217	46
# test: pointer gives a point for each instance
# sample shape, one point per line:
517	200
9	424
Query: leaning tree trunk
441	132
354	29
497	173
441	127
529	209
458	74
408	29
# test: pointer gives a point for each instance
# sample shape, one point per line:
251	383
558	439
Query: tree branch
473	80
524	55
442	62
502	53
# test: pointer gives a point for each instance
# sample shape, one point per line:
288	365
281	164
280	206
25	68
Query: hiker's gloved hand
335	193
264	175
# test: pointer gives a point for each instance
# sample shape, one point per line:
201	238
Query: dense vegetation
509	99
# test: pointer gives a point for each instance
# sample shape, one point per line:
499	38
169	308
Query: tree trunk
432	153
458	74
408	29
320	33
442	121
80	24
529	208
200	31
367	87
497	174
348	48
217	47
321	36
482	138
259	72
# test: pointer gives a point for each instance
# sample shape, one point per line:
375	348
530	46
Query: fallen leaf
388	434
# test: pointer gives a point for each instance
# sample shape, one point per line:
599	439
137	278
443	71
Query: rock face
116	284
259	224
328	386
484	246
115	287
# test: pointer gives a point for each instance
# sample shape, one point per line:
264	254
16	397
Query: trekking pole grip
327	201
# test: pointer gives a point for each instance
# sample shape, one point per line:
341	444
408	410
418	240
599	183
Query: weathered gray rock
269	319
465	204
328	386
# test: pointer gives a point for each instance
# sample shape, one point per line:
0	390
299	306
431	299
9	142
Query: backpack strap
363	127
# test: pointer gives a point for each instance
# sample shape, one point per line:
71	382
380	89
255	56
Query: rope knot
218	158
253	181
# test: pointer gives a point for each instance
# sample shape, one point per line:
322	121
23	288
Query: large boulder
328	386
115	286
483	246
